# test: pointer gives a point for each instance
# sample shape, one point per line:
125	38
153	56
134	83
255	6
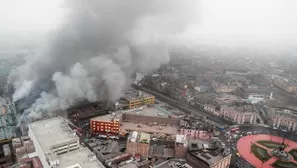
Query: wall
195	134
101	126
138	148
145	119
180	151
38	149
223	163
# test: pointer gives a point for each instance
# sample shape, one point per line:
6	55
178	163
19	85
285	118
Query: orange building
105	124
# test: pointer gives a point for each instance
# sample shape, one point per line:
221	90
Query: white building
256	98
58	146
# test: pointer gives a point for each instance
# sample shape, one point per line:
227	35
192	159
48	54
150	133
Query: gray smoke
95	51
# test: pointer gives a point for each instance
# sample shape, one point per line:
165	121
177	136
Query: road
184	107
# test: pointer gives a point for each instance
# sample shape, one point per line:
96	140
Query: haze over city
150	83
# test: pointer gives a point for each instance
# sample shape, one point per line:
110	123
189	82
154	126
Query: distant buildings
222	85
254	95
7	119
285	85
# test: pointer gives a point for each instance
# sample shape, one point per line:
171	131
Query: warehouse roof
54	131
51	132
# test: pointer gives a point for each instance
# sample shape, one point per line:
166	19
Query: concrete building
240	113
58	146
180	147
284	119
208	155
253	94
193	131
223	87
215	105
138	143
134	99
109	123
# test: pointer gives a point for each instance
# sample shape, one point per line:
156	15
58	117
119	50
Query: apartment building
284	119
240	113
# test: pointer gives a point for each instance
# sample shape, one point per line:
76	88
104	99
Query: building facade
195	134
180	147
284	120
105	124
239	116
138	144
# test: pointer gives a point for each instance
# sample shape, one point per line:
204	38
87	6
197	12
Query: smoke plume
94	52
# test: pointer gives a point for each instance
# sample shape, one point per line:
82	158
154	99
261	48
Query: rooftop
210	158
133	94
50	132
149	128
156	110
227	99
54	131
82	157
284	112
108	118
145	137
180	139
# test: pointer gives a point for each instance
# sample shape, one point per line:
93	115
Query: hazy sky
222	21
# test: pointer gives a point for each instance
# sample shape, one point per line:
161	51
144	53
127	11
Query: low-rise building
138	143
208	155
284	119
181	146
134	99
195	129
109	123
240	113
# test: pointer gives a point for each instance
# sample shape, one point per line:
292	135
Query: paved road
184	107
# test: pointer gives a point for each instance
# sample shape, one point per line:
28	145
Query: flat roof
108	117
50	132
146	128
150	111
82	157
136	94
180	139
145	136
209	158
54	131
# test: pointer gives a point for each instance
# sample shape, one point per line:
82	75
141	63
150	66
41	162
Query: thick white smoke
93	55
22	90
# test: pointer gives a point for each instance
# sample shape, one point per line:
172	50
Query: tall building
58	146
